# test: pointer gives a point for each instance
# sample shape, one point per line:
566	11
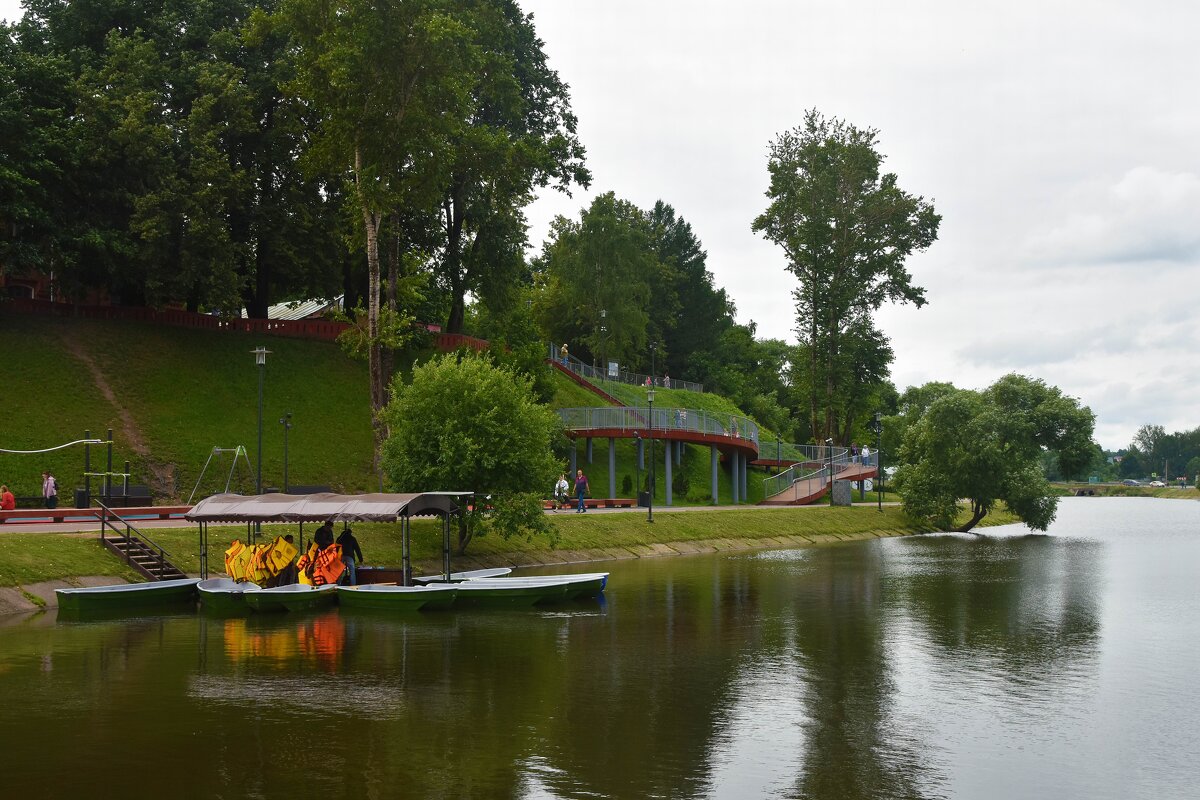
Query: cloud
1148	215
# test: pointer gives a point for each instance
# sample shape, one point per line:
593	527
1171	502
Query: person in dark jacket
324	535
351	556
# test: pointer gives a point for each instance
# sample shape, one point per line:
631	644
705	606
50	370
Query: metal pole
286	422
829	447
262	368
87	469
108	472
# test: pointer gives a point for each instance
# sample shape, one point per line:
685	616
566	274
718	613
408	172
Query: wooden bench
39	516
595	502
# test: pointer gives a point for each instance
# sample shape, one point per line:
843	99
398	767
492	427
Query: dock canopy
320	507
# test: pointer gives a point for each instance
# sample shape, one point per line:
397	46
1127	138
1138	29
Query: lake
1004	665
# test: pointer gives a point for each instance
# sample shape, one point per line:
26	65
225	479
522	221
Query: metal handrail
782	481
773	448
634	378
105	511
665	419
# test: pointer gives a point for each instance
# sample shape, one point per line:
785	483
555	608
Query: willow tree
847	230
390	81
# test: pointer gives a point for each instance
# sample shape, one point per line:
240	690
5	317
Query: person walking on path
561	490
581	490
49	489
351	557
7	501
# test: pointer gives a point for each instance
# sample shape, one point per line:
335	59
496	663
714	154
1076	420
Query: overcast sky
1060	141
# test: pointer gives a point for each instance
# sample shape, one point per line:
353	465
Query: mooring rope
51	449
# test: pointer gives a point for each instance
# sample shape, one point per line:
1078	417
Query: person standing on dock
581	490
324	535
50	489
351	555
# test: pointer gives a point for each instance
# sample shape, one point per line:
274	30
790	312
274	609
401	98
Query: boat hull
509	592
491	572
397	599
297	597
166	594
579	586
224	596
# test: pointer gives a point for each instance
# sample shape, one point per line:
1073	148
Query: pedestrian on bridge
562	354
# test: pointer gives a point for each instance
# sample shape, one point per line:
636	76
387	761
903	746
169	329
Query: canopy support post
203	550
446	546
405	566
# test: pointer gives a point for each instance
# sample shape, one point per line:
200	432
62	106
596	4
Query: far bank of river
33	565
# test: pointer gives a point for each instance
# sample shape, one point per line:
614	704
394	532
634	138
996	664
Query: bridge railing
665	419
775	484
599	374
780	451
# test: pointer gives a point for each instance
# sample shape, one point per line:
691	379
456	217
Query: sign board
614	369
1094	479
868	485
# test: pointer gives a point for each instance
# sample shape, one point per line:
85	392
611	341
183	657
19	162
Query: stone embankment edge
41	596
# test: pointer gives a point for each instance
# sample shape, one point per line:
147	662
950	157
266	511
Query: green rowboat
297	597
510	592
390	597
225	596
142	596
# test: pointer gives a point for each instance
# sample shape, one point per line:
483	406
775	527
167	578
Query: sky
1060	142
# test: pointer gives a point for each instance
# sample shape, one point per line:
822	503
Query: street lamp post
603	345
650	401
286	422
877	429
260	358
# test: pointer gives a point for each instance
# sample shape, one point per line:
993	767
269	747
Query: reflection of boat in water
127	595
319	638
225	596
390	597
297	597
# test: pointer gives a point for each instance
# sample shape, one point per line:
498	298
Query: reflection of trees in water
852	749
1026	606
643	692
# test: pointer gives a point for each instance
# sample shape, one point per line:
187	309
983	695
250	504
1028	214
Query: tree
986	447
467	425
598	273
391	84
519	135
847	231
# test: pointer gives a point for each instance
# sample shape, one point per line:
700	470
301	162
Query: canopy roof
320	507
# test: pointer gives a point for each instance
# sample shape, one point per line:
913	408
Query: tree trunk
464	535
371	219
453	211
978	512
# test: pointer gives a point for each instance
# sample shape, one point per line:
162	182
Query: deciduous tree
986	447
467	425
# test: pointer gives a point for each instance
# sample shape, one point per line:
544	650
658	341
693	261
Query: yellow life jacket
279	555
256	569
237	557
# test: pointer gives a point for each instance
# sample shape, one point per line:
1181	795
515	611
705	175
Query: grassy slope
188	392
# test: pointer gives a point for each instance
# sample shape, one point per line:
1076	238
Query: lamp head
650	396
260	355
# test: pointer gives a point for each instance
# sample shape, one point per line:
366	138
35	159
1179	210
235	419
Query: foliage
986	447
847	231
598	274
463	424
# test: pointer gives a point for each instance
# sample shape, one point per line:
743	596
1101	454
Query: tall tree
391	83
598	274
847	230
519	135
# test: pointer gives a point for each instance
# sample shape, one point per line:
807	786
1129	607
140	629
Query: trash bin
81	498
644	499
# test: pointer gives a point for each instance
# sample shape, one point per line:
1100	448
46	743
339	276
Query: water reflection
930	667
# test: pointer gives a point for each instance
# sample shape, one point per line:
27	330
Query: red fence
298	329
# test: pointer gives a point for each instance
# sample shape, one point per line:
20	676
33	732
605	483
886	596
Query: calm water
1004	666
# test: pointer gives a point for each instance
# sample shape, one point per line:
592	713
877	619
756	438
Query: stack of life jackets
321	567
260	562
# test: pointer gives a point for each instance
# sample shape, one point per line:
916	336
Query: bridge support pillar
589	449
713	458
641	448
574	461
679	454
743	471
612	467
667	482
735	483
